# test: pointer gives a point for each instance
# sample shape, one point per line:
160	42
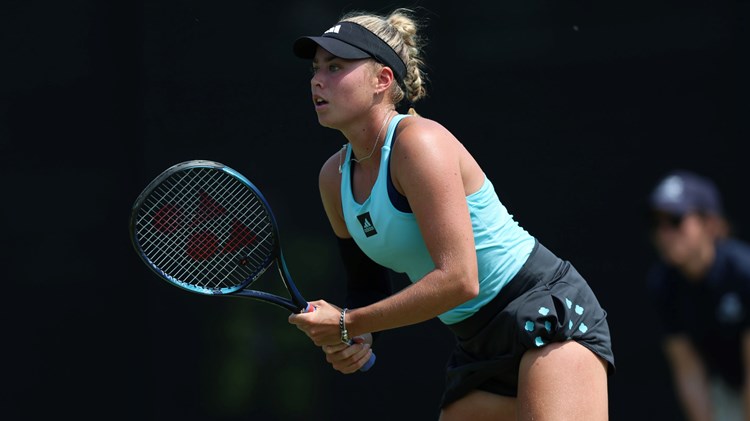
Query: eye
314	69
333	67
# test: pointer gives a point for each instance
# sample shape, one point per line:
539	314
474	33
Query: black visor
351	41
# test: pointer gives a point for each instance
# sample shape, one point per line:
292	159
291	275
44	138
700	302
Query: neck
366	143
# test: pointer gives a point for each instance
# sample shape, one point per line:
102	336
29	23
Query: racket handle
369	363
310	308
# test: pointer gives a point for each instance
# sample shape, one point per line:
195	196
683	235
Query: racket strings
205	228
203	244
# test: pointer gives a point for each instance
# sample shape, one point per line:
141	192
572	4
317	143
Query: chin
676	259
325	121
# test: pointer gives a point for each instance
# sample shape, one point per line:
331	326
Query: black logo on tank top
367	225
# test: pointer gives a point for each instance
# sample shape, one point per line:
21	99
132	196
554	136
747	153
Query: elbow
459	284
472	290
469	287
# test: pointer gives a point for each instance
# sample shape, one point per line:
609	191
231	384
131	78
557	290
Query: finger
365	358
341	354
332	349
299	318
356	359
318	303
358	362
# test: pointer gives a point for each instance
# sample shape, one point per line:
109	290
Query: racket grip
369	363
310	308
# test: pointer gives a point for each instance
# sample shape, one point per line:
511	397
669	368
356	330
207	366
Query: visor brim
305	47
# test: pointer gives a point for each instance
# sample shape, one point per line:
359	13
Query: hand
321	325
349	358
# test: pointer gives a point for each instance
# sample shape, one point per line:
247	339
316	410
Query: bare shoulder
426	150
417	134
329	172
329	177
421	126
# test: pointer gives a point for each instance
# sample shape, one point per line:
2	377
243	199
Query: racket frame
295	304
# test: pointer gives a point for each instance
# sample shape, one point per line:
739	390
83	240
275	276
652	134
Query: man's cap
351	41
681	192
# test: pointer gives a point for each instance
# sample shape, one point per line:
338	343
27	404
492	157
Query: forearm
431	296
695	396
690	378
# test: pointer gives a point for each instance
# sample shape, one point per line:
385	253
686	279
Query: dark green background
574	109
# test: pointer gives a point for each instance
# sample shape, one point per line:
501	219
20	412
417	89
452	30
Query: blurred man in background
701	287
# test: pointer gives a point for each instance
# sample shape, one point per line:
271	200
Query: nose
315	81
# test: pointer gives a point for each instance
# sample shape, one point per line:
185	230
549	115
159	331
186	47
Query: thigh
562	381
479	405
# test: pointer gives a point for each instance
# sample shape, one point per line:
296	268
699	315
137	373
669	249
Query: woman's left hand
321	325
349	359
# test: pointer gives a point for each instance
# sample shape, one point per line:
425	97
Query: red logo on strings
203	244
168	219
208	209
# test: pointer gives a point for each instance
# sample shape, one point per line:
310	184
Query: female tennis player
404	194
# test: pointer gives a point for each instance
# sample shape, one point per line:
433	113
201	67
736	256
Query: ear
385	79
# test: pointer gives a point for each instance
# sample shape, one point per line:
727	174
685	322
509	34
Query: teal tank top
391	237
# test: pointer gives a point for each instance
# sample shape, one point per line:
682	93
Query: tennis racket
205	228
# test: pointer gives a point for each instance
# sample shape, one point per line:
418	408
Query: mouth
319	102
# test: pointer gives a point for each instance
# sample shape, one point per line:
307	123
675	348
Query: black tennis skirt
547	301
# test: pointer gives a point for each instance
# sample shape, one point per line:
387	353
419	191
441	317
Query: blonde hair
399	30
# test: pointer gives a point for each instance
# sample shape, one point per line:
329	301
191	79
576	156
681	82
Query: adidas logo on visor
334	29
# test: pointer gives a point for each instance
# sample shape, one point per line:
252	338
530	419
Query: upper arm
329	183
426	164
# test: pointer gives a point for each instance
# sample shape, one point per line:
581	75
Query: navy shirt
714	312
